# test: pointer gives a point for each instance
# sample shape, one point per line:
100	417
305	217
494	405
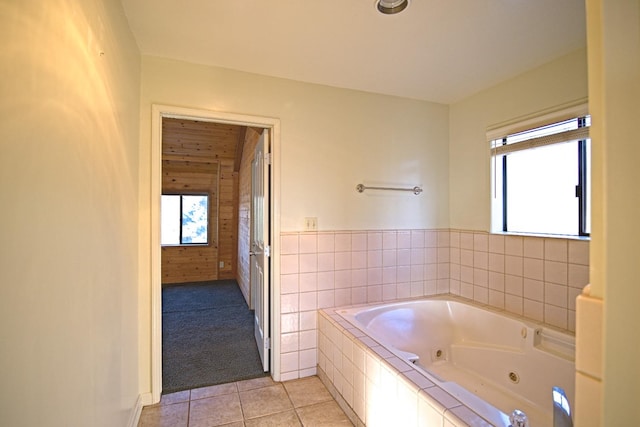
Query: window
184	219
541	179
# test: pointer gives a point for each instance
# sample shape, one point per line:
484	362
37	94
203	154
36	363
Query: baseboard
141	401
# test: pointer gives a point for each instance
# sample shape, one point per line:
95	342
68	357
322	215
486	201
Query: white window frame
503	130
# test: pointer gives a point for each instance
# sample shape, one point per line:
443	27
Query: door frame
273	125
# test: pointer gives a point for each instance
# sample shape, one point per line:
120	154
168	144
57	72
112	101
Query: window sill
542	235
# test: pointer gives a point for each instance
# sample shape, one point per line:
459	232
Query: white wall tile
481	277
578	276
556	272
481	260
389	240
496	244
288	264
307	339
480	242
443	238
289	323
289	342
326	280
308	262
513	245
289	283
533	247
417	239
374	240
289	244
496	281
556	250
454	239
308	320
533	289
533	268
308	301
308	282
374	258
496	299
533	310
289	361
308	358
343	242
342	260
327	261
556	295
513	285
579	252
513	264
374	293
555	316
308	243
326	299
389	257
358	241
513	304
326	242
374	276
466	240
404	240
289	303
358	259
496	262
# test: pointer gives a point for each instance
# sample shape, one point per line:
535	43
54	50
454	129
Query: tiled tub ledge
376	388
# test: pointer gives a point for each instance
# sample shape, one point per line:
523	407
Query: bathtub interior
477	355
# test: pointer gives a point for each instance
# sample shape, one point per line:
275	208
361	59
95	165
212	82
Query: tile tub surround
331	269
376	388
538	278
533	277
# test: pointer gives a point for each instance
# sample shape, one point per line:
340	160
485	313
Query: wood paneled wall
200	157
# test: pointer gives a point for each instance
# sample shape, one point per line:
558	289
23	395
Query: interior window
184	219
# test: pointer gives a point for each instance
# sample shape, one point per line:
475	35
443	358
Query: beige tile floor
250	403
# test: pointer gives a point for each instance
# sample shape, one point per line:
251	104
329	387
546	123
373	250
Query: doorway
272	127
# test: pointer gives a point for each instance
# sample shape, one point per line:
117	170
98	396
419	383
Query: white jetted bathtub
488	360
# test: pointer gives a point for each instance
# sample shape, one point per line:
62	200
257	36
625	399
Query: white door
260	245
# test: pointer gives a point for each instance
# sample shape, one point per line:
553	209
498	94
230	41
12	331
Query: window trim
181	195
570	111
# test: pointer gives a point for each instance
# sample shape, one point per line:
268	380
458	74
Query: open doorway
206	218
227	257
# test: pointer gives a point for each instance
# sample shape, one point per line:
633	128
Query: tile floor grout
300	402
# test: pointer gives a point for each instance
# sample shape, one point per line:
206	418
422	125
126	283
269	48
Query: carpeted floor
207	336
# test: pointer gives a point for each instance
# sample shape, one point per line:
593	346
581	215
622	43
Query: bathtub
491	362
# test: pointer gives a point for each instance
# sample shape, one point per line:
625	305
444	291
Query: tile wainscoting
533	277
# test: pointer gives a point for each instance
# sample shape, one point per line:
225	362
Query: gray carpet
207	336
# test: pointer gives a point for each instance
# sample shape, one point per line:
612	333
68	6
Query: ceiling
435	50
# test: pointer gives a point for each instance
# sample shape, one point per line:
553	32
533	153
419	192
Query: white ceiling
435	50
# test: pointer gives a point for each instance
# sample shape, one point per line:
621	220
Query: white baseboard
142	400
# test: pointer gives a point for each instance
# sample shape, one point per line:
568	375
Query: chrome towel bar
416	190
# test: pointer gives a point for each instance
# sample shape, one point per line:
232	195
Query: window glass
170	218
541	186
194	219
184	219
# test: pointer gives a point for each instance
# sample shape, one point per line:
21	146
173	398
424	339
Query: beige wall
69	180
550	85
614	89
330	140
